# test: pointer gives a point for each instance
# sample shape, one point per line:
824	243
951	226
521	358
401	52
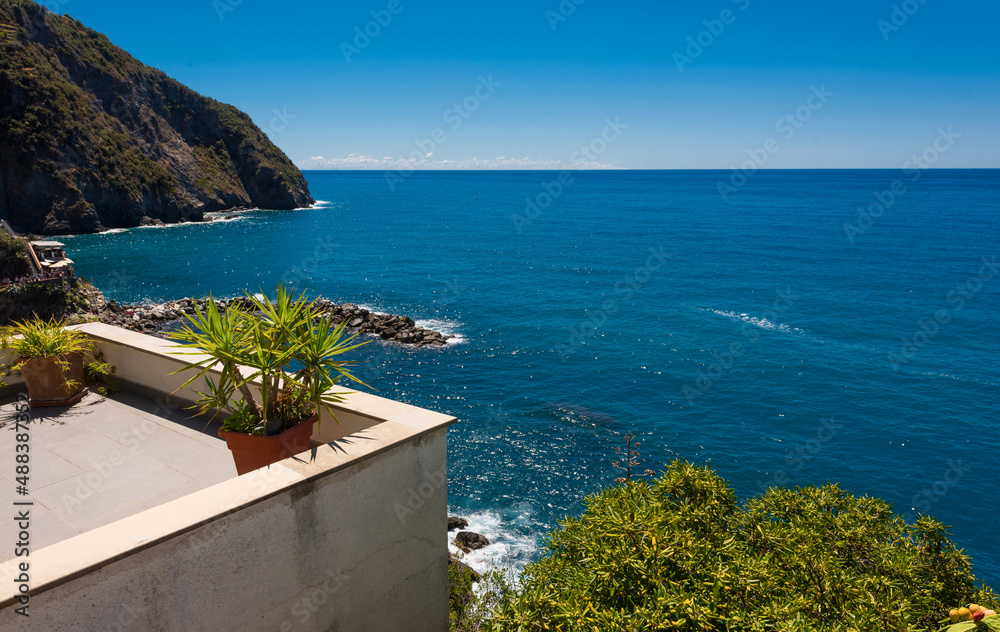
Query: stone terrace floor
102	460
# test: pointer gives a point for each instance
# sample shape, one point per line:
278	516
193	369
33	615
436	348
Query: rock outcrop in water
470	541
153	319
91	138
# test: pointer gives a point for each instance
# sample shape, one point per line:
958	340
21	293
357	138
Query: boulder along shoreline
161	318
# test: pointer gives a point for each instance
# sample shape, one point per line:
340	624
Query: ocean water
757	333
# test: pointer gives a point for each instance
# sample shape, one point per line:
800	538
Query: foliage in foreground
38	338
678	553
288	346
471	602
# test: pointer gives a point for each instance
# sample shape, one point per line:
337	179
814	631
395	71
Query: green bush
101	373
473	598
460	595
679	554
14	246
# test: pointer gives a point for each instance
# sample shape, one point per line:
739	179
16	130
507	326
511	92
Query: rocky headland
92	139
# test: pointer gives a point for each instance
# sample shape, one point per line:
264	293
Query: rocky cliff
91	138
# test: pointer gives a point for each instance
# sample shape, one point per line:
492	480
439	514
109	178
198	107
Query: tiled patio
105	459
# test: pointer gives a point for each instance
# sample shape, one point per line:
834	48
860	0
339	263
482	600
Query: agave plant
284	344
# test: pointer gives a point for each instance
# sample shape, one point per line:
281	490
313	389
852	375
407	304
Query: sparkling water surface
751	333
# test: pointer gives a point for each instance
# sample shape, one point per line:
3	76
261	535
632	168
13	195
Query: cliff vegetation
91	138
679	553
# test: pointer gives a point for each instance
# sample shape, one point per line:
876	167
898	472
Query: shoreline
157	319
207	217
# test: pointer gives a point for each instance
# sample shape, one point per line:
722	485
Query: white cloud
429	163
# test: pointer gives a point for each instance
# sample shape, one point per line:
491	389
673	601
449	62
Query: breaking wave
757	321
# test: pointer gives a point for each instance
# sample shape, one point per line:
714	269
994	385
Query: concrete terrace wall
146	364
350	536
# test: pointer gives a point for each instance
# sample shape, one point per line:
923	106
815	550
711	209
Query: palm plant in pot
270	368
50	359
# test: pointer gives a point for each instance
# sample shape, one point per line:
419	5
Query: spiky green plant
38	338
100	371
287	347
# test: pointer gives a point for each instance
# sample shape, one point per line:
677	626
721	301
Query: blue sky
562	73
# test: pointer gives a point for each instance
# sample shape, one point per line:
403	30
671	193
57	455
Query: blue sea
804	327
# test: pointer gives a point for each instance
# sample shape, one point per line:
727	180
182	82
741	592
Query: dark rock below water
454	522
470	541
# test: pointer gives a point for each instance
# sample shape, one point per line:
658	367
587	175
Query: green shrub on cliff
14	247
678	553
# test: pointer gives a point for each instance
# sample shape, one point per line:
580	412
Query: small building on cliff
52	256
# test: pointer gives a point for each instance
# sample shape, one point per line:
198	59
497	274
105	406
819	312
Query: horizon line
619	169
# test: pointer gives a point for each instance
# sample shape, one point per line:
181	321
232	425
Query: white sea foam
116	231
215	217
446	327
211	218
756	321
177	225
373	310
957	377
509	549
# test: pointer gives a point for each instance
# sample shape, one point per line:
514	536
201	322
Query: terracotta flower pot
47	384
252	452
